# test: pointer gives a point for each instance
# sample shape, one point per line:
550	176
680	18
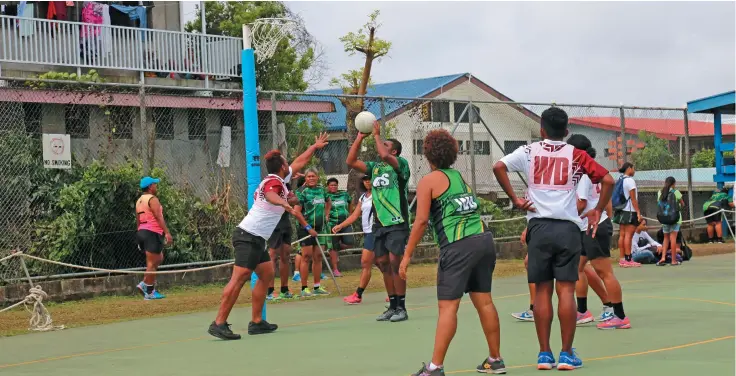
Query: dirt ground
188	299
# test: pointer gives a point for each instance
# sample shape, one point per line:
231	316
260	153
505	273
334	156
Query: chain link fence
194	141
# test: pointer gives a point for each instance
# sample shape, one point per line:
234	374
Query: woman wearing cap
151	233
365	212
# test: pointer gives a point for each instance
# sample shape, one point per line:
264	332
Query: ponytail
668	183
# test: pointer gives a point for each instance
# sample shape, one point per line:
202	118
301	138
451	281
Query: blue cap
147	181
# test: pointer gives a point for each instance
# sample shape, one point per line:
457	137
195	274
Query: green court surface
682	317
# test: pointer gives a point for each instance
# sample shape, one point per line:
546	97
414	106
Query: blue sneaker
322	276
545	360
296	278
569	362
524	316
153	296
606	315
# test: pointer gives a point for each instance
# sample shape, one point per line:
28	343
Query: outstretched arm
302	160
383	152
353	161
349	220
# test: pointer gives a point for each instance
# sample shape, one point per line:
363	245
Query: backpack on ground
618	199
668	212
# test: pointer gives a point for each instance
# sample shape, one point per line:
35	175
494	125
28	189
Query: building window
607	152
163	118
418	147
459	107
76	120
32	113
510	146
228	118
121	120
461	146
436	112
197	124
482	147
333	156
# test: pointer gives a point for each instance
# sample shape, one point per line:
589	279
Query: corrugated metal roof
407	89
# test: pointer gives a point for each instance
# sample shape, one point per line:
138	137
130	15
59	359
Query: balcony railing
76	44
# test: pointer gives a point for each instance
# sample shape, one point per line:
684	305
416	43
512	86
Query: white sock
433	367
493	360
296	273
316	285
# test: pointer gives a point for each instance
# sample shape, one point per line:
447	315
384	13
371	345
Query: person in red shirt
553	169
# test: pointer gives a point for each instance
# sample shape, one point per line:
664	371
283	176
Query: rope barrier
694	219
33	303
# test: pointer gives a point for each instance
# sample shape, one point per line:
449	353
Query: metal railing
77	44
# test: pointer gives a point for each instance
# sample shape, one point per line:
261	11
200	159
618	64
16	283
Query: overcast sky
636	53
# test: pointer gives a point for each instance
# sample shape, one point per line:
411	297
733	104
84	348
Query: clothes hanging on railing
90	36
106	31
135	13
25	10
57	11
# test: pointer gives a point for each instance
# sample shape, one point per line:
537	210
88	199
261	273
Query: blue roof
408	89
725	103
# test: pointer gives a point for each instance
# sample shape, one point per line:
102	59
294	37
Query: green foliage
707	158
285	71
502	229
350	82
90	77
360	41
655	156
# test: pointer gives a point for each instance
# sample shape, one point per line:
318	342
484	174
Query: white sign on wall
57	151
223	155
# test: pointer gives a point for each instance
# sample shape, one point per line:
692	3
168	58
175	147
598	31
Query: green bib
455	214
390	192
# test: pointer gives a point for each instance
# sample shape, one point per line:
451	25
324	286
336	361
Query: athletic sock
531	307
609	305
583	305
270	290
284	289
432	366
150	288
392	302
316	286
627	257
359	291
618	310
401	301
304	288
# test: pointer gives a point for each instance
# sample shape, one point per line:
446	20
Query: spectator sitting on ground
644	248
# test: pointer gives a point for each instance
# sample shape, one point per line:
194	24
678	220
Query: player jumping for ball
554	235
390	177
467	257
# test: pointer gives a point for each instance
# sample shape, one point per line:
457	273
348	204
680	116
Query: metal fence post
383	116
688	166
623	147
471	112
149	131
274	122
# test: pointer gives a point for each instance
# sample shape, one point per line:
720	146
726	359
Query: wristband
307	227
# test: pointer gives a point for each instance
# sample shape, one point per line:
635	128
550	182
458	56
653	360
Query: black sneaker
719	241
496	367
222	331
400	315
386	316
262	327
426	372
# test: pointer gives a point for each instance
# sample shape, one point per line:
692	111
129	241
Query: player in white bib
554	230
270	201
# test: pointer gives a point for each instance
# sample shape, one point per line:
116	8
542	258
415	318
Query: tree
707	158
299	59
355	82
656	154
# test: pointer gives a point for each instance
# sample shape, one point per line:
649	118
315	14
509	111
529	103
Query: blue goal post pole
250	128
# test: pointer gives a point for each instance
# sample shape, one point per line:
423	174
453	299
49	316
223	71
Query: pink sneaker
353	299
623	263
615	323
584	318
634	264
337	273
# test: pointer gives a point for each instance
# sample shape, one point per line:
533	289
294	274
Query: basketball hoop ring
266	33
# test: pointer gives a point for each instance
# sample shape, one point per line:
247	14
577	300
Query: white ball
364	122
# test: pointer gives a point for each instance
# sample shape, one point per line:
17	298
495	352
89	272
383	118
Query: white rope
33	303
115	271
695	219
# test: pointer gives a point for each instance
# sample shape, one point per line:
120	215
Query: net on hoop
266	33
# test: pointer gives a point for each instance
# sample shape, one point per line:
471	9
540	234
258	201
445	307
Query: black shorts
369	241
250	250
282	234
466	266
310	241
149	241
600	246
554	248
623	217
345	239
713	218
391	239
